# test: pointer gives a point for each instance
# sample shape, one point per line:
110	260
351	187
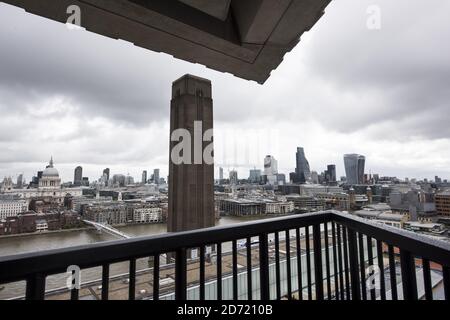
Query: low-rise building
242	207
336	201
12	207
112	213
147	215
384	217
279	207
307	203
443	203
427	228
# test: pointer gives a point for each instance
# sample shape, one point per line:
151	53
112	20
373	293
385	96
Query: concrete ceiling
215	8
247	38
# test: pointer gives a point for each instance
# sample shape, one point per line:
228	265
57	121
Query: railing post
354	272
408	275
318	262
264	267
132	277
180	274
35	287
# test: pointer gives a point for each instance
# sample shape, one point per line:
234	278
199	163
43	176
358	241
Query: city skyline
87	120
242	172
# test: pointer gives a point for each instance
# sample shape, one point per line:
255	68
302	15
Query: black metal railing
327	255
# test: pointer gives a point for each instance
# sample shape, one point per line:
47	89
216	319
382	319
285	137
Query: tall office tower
191	163
19	181
255	176
233	176
78	176
144	177
270	166
106	172
331	171
354	168
156	176
271	170
361	167
302	169
314	177
220	174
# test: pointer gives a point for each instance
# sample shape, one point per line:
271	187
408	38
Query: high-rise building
85	181
354	168
271	170
314	177
144	177
233	176
106	172
191	182
156	176
302	169
78	176
19	184
270	166
255	176
331	173
118	180
220	174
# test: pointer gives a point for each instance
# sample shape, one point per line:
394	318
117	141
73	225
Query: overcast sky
97	102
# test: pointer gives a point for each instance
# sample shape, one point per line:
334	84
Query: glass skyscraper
354	168
302	171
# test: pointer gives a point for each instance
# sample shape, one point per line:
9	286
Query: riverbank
43	233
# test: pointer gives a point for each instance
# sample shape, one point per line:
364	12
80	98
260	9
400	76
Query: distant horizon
243	172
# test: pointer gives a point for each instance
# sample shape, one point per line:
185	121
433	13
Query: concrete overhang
247	38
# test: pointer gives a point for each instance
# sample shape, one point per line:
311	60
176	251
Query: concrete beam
246	38
215	8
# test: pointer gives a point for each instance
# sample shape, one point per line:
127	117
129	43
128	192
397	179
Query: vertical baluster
249	269
180	274
393	273
446	276
318	261
299	264
354	272
219	271
202	273
35	287
156	277
74	294
327	261
409	282
132	280
335	262
346	268
235	270
288	265
381	267
277	266
105	282
264	267
427	279
370	256
341	273
308	262
362	265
